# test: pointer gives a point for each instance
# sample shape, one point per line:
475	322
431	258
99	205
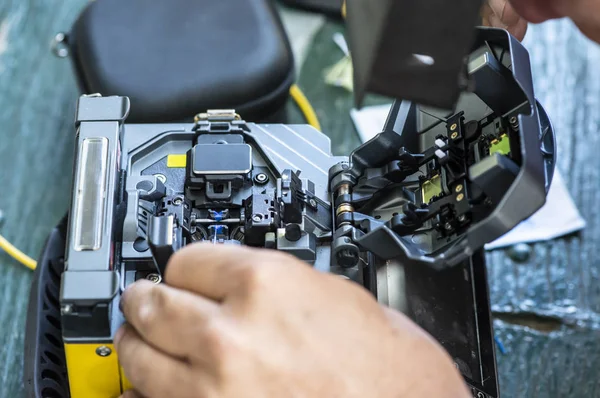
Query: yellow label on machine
431	189
177	161
501	146
93	370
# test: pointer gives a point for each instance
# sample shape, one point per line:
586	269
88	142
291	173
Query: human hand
513	14
501	14
237	322
584	13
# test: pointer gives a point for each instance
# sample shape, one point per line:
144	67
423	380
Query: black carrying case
331	8
177	58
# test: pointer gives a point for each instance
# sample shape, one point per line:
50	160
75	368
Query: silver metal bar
95	180
90	189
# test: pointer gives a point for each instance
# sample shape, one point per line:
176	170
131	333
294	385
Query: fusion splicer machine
406	215
420	200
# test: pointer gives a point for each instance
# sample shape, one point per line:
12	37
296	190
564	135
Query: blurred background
546	297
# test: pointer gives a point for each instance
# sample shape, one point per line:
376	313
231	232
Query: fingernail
119	335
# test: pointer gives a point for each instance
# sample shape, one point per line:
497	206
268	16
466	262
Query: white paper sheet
557	218
369	121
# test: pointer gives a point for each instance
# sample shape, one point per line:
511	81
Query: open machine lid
467	176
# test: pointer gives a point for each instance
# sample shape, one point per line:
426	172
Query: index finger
504	16
505	12
214	271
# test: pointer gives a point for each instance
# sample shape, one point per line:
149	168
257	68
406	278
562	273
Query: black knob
347	258
161	239
293	232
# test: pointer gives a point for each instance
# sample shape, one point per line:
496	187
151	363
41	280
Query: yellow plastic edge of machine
94	371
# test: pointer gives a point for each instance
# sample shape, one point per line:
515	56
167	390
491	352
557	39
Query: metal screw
520	253
459	188
448	226
454	127
261	178
67	309
59	45
462	218
514	123
177	201
454	135
313	203
460	197
155	278
103	351
161	177
257	218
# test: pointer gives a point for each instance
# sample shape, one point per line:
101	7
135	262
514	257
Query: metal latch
218	115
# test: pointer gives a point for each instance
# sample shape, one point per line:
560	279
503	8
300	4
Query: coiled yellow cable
305	107
17	254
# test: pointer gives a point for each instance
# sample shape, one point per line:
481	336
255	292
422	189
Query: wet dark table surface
547	309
